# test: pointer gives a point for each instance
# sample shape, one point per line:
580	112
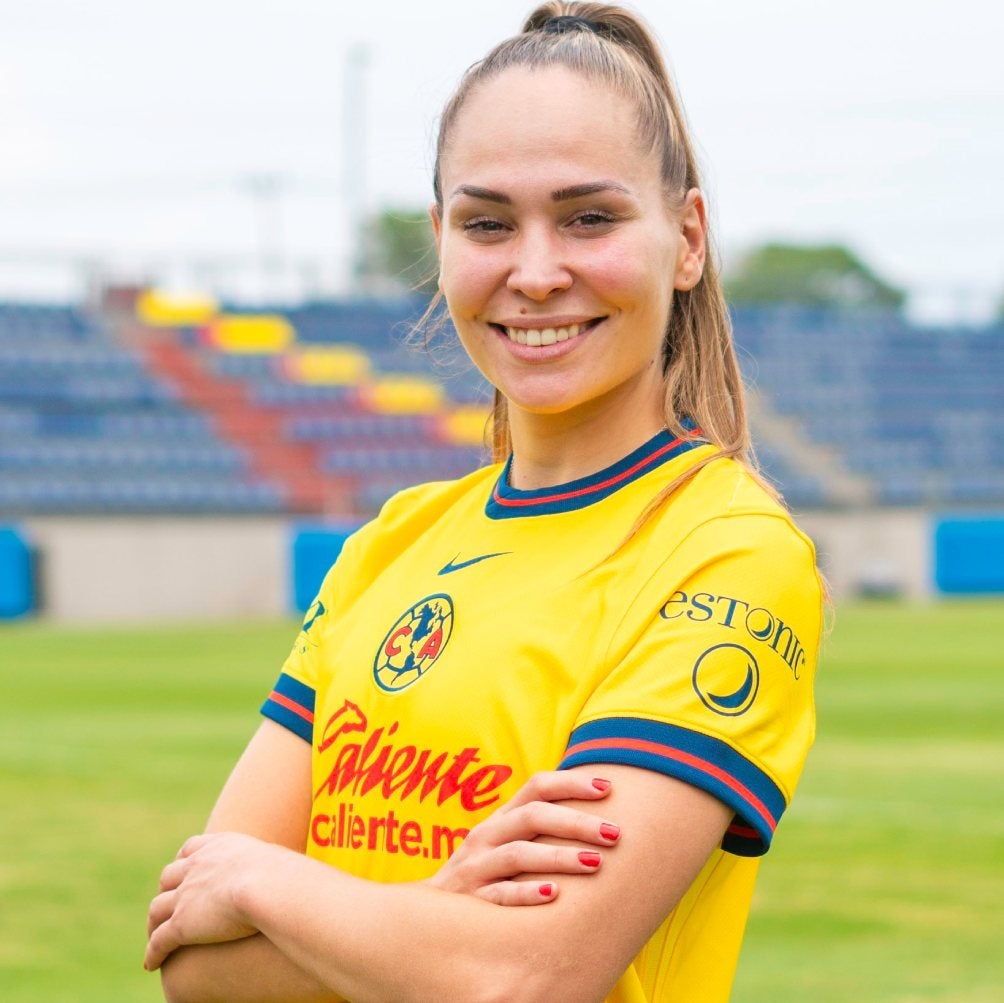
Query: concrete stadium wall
150	569
129	570
876	551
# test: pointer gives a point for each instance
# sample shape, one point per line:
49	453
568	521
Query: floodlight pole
354	131
266	190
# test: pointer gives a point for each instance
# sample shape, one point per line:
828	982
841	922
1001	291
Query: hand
196	904
501	848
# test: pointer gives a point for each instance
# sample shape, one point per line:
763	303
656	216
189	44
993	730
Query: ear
693	223
437	227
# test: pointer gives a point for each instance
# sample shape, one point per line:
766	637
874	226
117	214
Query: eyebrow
592	188
561	195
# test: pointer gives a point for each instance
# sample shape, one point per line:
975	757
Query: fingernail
601	785
609	831
547	890
589	858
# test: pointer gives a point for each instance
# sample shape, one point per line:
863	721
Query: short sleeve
711	672
291	702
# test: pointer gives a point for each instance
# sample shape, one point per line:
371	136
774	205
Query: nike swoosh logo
450	567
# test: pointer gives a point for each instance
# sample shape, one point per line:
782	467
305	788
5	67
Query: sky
203	142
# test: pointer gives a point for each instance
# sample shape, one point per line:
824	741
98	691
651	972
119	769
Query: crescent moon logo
726	678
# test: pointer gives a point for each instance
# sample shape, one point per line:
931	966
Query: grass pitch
884	883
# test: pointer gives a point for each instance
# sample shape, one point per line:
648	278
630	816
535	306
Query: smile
539	337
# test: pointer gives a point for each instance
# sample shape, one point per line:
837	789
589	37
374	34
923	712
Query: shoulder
424	504
725	504
724	534
403	518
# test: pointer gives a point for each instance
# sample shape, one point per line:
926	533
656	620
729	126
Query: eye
483	226
592	219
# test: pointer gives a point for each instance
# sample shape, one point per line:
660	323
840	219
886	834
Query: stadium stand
324	397
320	408
85	427
915	411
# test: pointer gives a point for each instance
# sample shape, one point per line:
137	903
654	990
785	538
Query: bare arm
374	942
268	793
266	796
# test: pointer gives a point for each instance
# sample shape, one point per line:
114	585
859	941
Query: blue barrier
17	586
969	554
315	549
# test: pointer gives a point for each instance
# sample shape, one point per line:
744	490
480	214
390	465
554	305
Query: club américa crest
415	642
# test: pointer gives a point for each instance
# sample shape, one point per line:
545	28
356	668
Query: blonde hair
701	376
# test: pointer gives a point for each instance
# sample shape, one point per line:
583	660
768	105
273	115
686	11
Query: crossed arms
244	917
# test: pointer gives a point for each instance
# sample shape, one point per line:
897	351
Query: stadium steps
238	421
788	435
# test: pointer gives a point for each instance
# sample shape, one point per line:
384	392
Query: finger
539	858
162	942
194	843
540	818
559	785
519	892
160	910
172	875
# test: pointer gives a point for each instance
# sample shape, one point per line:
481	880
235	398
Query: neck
556	449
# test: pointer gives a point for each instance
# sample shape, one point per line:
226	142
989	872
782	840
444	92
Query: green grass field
886	881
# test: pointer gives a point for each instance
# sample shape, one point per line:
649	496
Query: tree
397	252
826	275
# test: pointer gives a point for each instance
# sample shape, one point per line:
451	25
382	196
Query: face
559	252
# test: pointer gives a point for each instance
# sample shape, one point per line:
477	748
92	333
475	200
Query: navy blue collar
507	502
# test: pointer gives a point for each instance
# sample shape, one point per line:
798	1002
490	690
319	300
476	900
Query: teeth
547	336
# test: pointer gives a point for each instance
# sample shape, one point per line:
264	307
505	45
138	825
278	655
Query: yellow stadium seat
259	334
335	365
404	395
465	426
161	308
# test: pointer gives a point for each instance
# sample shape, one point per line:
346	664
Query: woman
621	597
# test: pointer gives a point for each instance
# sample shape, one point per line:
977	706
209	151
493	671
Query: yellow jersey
474	634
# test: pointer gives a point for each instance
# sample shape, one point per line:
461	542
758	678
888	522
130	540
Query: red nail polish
547	890
601	785
609	831
589	858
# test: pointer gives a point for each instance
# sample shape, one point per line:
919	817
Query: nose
538	268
